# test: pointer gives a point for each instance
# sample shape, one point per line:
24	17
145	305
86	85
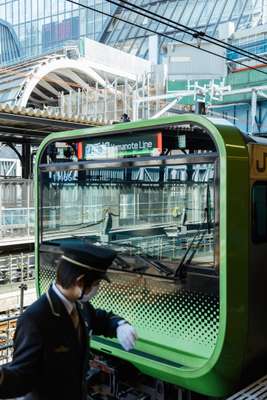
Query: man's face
93	288
89	292
86	292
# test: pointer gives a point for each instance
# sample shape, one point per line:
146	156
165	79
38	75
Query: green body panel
217	374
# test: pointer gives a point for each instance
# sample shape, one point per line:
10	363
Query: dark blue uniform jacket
49	361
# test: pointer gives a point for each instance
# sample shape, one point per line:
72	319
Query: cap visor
105	278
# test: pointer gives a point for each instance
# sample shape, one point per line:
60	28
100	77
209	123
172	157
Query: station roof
21	124
40	95
209	16
39	81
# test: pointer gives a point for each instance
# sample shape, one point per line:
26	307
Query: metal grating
255	391
169	315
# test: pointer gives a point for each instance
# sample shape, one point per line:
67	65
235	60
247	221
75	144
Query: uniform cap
95	259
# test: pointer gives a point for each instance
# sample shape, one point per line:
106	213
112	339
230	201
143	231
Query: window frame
256	238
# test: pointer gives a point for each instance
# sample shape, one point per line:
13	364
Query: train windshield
157	212
153	198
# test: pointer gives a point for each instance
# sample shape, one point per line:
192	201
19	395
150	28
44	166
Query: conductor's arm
103	322
111	325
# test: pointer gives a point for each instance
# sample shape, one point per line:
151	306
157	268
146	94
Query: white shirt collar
67	303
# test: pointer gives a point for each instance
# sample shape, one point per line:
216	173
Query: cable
202	34
172	25
197	34
163	34
8	69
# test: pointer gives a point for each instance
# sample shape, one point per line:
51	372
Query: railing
7	330
16	291
16	210
17	222
16	268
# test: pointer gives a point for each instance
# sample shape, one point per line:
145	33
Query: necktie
76	321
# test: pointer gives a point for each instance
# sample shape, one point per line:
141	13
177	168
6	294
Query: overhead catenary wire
163	34
193	32
174	25
95	10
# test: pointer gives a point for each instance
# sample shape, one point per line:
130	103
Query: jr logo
263	167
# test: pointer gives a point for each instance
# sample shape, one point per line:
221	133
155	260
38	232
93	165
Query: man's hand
126	335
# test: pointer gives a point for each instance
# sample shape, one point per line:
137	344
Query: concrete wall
185	62
113	58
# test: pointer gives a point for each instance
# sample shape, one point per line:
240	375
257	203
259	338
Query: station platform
15	242
10	296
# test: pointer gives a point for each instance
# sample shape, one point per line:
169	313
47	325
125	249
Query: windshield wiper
179	273
156	264
146	263
82	225
122	262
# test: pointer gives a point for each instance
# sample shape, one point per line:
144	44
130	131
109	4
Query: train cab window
259	212
166	218
150	195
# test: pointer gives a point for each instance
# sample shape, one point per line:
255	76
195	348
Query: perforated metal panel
188	316
46	277
190	319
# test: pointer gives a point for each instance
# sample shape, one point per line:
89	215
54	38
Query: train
183	202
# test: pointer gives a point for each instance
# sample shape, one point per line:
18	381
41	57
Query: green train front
172	197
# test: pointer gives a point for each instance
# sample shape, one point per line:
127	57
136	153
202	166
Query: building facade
10	48
42	25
